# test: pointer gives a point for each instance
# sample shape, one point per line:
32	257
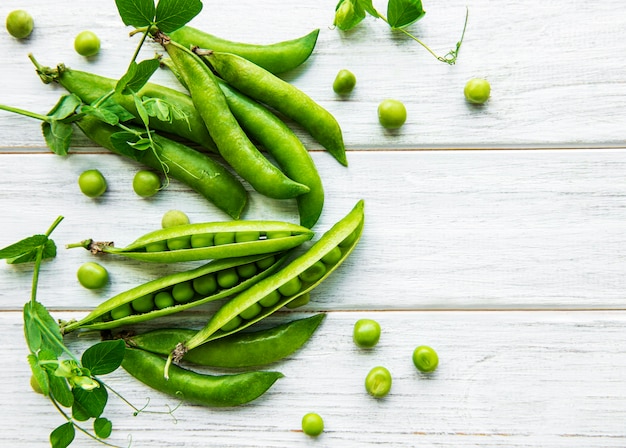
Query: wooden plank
466	230
516	379
554	85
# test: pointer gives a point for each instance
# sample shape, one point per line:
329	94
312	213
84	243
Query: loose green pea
250	312
378	382
146	183
271	299
157	246
163	300
242	237
87	43
121	311
266	262
300	301
143	304
291	287
205	285
201	240
19	24
477	90
92	275
173	218
314	273
391	114
247	270
227	278
425	359
183	242
344	82
183	292
366	333
333	256
224	238
92	183
232	324
312	424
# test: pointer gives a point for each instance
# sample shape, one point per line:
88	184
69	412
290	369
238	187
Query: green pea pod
232	142
277	58
103	317
214	240
196	170
181	120
341	238
245	349
263	86
193	387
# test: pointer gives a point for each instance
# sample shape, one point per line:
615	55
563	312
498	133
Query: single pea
205	285
201	240
314	273
179	243
227	278
163	300
146	183
92	275
344	82
157	246
366	333
425	359
391	113
243	237
247	270
250	312
312	424
333	256
378	382
348	240
92	183
477	90
224	238
232	324
173	218
121	311
265	263
87	43
19	24
300	301
183	292
143	304
291	287
277	234
271	299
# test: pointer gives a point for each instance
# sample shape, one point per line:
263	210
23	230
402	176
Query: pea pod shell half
299	235
244	349
350	225
92	322
193	387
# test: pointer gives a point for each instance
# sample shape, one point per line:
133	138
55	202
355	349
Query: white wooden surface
508	258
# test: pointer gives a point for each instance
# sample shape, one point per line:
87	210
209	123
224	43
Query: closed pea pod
232	142
351	224
193	387
267	88
171	294
277	57
151	247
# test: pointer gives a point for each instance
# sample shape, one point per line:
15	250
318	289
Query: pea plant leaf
102	427
52	339
137	13
103	357
136	76
40	374
173	14
65	108
63	435
90	402
58	136
49	251
22	248
368	6
122	143
61	391
348	14
402	13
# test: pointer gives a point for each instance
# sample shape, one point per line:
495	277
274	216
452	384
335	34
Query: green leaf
32	333
58	136
49	251
102	427
114	108
137	76
122	143
173	14
63	436
156	107
348	14
141	110
104	357
79	413
122	83
142	144
402	13
90	402
137	13
65	107
369	8
27	245
41	376
51	333
61	391
101	114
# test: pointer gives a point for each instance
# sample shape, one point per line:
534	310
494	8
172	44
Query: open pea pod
178	292
211	240
291	282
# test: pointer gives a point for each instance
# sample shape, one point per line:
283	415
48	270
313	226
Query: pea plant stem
23	112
